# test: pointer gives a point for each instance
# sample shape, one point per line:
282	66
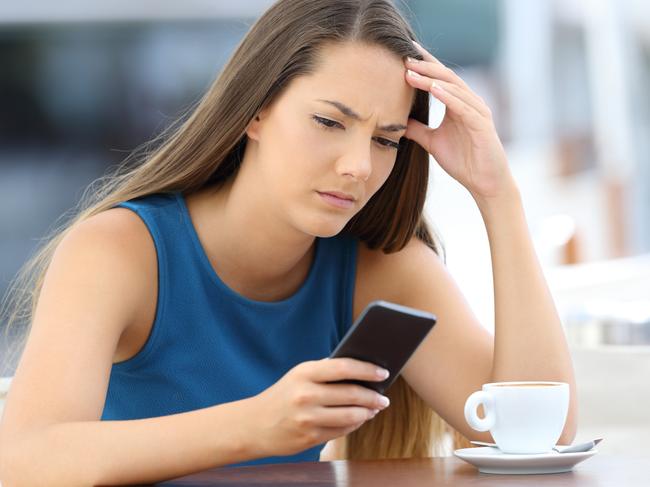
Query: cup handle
471	415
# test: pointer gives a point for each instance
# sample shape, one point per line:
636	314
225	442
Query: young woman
183	319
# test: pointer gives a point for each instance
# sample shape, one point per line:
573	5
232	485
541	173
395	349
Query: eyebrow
346	110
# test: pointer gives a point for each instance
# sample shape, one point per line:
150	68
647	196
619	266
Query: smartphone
386	334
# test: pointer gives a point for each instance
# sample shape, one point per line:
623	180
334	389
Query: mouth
337	199
338	194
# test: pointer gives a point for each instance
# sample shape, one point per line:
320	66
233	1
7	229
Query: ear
255	125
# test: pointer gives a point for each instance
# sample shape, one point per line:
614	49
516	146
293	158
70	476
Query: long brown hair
206	147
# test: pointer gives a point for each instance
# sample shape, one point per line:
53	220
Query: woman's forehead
367	78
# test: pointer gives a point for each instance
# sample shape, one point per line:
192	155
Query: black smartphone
386	334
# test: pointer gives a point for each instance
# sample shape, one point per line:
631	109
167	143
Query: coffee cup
523	417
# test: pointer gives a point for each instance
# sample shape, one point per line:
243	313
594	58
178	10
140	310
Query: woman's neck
246	247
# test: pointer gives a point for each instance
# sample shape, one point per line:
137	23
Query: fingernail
384	401
413	74
382	373
416	44
412	60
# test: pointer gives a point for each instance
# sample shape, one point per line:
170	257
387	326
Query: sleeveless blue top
209	344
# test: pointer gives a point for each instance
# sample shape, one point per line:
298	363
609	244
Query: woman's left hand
465	144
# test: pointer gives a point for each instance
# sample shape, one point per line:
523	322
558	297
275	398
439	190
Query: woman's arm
50	432
529	338
459	355
88	453
529	342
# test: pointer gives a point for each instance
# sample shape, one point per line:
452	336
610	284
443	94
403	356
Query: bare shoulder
119	224
115	241
117	230
119	246
397	276
96	285
108	257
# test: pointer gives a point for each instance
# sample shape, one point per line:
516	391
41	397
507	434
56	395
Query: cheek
312	152
318	143
386	164
383	164
382	167
299	160
286	153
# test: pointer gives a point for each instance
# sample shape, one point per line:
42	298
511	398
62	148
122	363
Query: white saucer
492	460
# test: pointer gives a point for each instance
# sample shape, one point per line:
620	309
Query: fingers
425	54
433	70
419	132
455	99
431	75
344	417
331	433
350	395
335	369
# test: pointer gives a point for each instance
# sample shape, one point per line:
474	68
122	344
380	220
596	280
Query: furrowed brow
349	112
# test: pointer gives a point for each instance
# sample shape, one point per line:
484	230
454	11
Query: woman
186	313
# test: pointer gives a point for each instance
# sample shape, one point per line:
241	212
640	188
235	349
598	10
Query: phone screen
386	334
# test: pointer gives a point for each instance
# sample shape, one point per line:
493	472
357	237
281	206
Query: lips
338	194
333	200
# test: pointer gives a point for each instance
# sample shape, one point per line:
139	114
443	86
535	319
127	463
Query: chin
324	227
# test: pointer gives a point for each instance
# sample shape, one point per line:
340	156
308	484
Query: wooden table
601	470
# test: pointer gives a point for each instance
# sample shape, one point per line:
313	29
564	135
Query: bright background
84	83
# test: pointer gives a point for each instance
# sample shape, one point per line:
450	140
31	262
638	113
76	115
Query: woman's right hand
303	410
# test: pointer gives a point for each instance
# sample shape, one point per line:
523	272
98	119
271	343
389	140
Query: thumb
418	132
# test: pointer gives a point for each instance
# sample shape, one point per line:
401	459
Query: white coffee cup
523	417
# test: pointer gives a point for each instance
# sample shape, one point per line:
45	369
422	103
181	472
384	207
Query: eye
388	143
326	122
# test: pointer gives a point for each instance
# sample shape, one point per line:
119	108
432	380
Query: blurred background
82	84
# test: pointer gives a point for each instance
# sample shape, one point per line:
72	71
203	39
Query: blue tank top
209	344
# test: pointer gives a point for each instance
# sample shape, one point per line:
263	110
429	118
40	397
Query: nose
356	161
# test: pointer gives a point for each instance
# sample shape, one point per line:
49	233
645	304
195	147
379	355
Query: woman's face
335	130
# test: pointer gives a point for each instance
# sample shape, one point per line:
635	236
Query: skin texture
274	197
258	232
459	355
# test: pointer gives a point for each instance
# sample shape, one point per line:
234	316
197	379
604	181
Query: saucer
492	460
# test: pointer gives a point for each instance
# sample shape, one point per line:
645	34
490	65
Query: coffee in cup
523	417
